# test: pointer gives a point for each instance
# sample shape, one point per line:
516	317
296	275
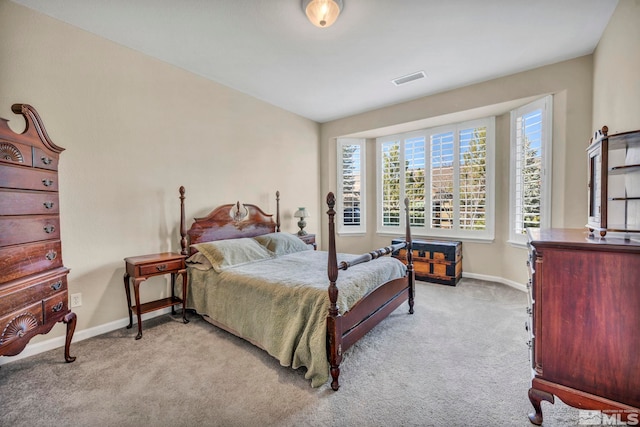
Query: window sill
352	234
415	236
518	244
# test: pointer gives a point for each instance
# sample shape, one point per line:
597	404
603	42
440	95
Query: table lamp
302	214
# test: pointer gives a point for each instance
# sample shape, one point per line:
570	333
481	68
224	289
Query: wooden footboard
369	311
345	330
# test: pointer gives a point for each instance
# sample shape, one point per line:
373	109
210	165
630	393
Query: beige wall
616	83
616	96
136	129
571	84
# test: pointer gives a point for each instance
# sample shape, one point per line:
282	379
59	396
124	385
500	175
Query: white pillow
223	254
282	243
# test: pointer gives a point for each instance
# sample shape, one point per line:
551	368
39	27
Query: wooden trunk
434	261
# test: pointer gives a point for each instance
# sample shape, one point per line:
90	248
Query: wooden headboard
232	221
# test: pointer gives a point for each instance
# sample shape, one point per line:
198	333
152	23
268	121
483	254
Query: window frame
546	105
342	228
488	234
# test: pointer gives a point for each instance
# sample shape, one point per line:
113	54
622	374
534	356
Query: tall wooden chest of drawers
33	278
584	298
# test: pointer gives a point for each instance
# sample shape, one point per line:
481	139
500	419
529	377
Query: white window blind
391	181
442	184
473	178
351	186
530	168
414	178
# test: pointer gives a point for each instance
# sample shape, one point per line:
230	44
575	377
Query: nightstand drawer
161	267
151	265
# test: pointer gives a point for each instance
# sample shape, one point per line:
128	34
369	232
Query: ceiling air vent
409	78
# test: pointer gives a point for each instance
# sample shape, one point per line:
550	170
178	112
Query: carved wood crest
238	214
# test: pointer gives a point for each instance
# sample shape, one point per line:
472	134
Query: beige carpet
460	360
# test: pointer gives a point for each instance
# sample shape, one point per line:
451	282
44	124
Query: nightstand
309	239
140	268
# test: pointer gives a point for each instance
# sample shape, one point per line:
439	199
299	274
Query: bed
280	294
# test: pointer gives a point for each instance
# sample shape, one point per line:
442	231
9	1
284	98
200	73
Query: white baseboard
58	342
516	285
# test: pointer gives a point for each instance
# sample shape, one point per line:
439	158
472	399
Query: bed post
183	225
410	272
278	211
334	330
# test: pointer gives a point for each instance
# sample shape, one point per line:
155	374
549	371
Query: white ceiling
268	49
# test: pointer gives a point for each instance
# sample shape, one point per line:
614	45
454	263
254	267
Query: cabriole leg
136	292
127	291
536	397
70	320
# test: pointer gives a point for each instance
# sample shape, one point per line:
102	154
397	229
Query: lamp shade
301	213
322	13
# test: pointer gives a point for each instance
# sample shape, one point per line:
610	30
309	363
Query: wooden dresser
33	278
585	321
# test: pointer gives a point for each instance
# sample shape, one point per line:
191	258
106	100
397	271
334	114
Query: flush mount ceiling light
322	13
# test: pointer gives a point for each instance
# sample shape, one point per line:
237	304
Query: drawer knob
162	267
56	308
56	286
51	255
47	182
46	160
49	228
48	205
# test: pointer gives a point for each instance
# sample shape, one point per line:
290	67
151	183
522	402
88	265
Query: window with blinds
351	186
414	178
473	178
530	168
391	181
442	184
447	175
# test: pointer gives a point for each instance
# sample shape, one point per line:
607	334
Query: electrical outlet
76	300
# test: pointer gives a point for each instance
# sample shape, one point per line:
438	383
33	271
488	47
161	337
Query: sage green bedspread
281	304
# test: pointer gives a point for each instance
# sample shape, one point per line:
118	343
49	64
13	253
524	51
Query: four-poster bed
270	289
